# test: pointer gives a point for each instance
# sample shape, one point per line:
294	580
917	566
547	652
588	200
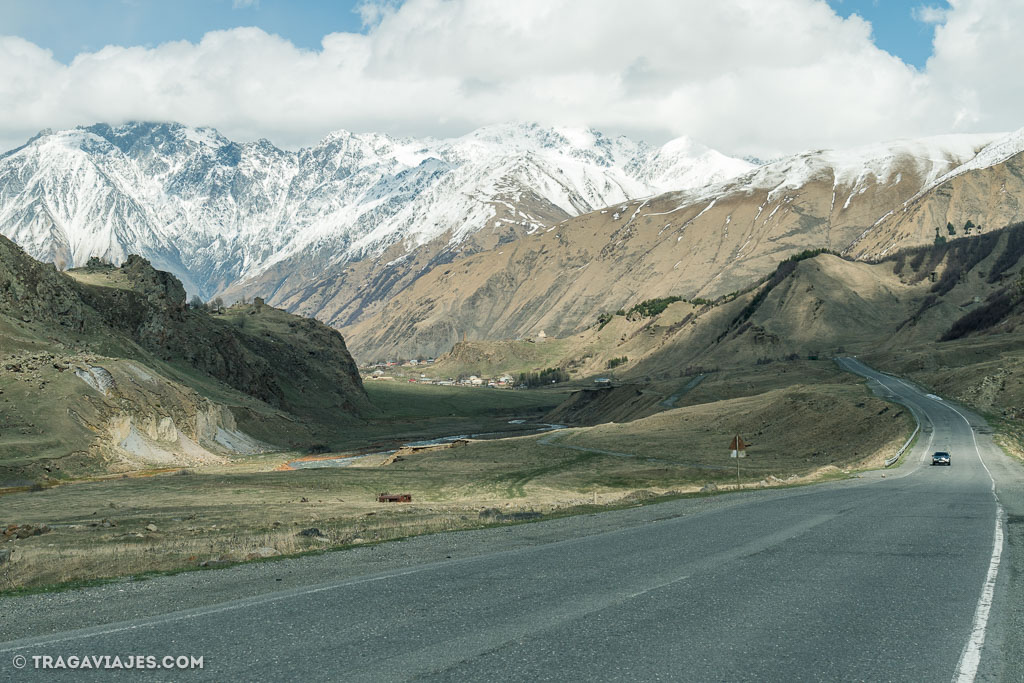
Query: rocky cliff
108	369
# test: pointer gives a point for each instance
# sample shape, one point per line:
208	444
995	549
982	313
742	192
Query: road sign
737	448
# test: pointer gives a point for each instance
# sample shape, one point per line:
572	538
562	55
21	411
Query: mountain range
407	245
706	243
215	212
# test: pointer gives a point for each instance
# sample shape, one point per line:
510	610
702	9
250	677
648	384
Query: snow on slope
880	163
74	197
214	211
995	153
683	164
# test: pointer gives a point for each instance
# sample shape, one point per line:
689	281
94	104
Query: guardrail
889	462
892	461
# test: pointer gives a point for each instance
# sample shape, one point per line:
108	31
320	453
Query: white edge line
967	667
970	659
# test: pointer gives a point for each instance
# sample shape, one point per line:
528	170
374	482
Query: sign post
739	450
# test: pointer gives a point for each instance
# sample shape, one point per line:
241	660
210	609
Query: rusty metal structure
394	498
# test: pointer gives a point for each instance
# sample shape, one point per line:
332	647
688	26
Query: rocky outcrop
32	291
286	352
107	369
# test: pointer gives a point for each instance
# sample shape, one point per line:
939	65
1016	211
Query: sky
747	77
897	26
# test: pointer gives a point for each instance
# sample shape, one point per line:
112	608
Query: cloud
978	53
243	4
729	73
927	14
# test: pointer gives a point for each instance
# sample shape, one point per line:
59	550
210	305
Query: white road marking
967	668
931	433
970	658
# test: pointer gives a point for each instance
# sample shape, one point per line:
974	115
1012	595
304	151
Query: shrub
653	307
918	258
544	377
616	362
994	311
901	260
784	270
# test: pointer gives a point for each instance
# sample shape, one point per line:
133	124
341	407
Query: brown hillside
107	369
814	307
675	244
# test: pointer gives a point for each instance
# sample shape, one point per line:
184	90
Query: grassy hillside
811	307
107	369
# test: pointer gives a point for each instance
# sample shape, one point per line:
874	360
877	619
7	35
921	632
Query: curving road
901	577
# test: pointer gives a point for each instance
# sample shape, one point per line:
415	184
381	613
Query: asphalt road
880	578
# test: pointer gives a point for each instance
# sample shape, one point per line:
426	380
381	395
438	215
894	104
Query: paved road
870	579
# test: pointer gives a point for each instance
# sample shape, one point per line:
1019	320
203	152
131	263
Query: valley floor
807	420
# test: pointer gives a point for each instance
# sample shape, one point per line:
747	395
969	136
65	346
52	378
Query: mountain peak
155	134
213	211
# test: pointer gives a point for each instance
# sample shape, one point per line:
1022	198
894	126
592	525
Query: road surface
905	577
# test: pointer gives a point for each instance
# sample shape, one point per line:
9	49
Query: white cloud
928	14
242	4
728	73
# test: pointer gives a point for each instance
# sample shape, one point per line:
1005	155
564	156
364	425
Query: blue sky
896	28
87	26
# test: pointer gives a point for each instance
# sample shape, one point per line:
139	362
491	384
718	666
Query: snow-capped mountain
705	242
924	162
215	212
